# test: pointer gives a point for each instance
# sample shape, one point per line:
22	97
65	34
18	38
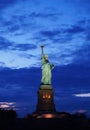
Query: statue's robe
46	71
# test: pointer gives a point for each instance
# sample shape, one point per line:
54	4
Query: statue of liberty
46	69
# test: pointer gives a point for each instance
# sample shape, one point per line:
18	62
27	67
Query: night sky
63	26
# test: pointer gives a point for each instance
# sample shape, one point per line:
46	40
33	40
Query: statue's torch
42	49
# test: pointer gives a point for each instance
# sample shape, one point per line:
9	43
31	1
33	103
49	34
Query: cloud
2	64
56	36
24	47
64	75
53	35
50	34
84	27
74	30
45	15
13	28
82	55
64	34
88	36
28	56
87	24
18	24
10	26
7	105
6	3
16	20
4	43
22	86
82	95
21	22
21	27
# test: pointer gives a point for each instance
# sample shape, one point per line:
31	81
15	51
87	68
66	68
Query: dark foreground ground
10	121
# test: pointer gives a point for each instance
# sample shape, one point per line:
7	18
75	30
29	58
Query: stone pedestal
45	99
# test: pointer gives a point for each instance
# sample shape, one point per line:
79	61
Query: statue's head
46	57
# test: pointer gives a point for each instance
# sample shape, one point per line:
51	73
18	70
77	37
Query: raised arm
42	50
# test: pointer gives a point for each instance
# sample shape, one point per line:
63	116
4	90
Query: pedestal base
45	99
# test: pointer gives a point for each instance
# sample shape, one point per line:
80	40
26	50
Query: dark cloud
71	76
56	36
82	56
14	28
88	30
50	34
2	64
19	33
65	34
85	25
28	56
16	75
61	75
12	25
6	23
82	26
74	30
88	36
24	47
44	15
22	21
21	86
82	4
6	3
20	18
4	43
81	22
9	26
17	23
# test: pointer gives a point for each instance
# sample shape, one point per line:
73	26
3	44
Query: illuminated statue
46	69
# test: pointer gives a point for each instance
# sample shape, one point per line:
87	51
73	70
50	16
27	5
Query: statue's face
46	57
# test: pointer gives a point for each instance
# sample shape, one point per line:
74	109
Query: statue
46	69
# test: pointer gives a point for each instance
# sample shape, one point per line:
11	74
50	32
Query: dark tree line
10	121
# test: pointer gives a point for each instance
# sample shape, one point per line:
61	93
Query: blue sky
63	26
